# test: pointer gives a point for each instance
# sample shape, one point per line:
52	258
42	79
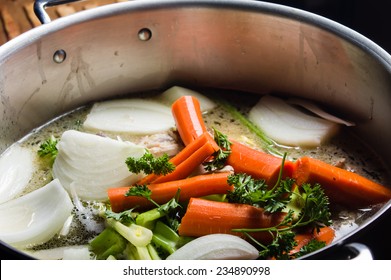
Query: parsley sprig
313	214
48	149
221	155
150	164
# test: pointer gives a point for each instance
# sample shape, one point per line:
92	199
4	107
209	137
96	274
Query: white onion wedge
16	169
312	107
93	163
216	247
135	116
35	217
170	95
288	125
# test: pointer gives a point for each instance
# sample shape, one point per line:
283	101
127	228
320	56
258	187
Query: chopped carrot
188	118
325	234
186	160
258	164
340	185
205	217
197	186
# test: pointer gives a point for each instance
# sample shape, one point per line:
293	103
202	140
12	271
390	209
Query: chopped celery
147	219
153	253
108	243
167	239
135	234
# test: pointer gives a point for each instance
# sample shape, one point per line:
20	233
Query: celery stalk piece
108	243
137	235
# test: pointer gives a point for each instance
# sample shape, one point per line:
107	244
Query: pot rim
334	27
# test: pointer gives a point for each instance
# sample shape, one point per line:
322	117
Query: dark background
370	18
373	20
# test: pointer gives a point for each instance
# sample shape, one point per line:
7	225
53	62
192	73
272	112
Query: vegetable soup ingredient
35	217
137	235
172	94
314	108
341	186
187	160
219	157
289	126
205	217
258	164
93	163
108	243
188	118
216	247
48	150
257	193
148	164
135	116
16	170
196	186
325	235
267	143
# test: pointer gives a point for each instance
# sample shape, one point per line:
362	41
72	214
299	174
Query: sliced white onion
35	217
290	126
216	247
93	163
16	169
170	95
314	108
135	116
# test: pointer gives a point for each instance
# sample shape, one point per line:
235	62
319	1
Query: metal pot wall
255	47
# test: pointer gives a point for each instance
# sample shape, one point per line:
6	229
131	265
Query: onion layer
35	217
135	116
93	163
216	247
16	168
289	126
170	95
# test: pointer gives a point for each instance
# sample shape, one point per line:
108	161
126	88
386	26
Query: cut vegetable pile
217	198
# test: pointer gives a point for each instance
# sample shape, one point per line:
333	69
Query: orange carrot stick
325	234
205	217
341	186
188	118
258	164
193	160
197	186
183	155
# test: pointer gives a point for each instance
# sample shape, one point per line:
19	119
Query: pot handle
358	251
40	6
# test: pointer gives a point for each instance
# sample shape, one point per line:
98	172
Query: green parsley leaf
220	156
150	164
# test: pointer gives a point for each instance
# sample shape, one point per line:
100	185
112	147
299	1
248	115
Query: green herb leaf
220	156
48	149
150	164
312	246
255	192
125	217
